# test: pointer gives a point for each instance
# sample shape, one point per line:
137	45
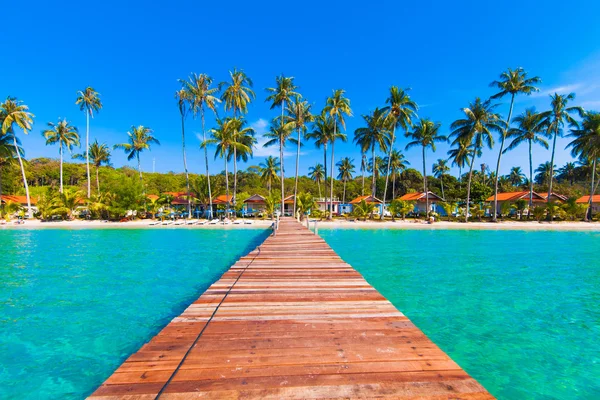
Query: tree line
297	124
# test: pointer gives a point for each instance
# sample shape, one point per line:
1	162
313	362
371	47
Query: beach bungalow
420	199
595	202
511	198
20	200
374	201
558	198
220	203
254	205
323	203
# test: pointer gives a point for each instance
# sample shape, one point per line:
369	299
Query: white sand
262	224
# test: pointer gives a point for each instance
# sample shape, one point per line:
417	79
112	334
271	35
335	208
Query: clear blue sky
133	52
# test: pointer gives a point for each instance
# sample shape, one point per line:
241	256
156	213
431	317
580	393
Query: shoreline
336	224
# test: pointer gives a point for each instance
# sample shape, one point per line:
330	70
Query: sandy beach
342	224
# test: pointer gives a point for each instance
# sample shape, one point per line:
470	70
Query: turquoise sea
520	311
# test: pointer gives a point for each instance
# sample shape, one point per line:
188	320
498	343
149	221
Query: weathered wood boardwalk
290	320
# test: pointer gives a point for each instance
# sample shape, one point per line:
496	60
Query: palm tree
65	135
279	133
299	115
182	97
14	112
237	95
476	130
554	120
460	157
376	133
528	129
244	139
100	154
516	176
269	170
439	170
543	172
568	172
317	174
279	95
512	82
363	169
377	167
336	107
89	102
199	94
346	169
397	163
586	144
140	139
401	111
321	134
7	153
426	134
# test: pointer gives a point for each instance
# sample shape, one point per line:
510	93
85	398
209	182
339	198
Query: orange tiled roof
222	199
586	199
419	196
514	196
18	199
256	198
368	199
289	199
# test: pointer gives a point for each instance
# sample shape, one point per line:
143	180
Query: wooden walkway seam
290	320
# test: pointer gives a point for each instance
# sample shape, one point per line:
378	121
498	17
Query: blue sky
133	52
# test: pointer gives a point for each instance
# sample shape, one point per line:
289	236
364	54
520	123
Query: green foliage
362	210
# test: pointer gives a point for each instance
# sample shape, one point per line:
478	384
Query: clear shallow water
75	303
519	311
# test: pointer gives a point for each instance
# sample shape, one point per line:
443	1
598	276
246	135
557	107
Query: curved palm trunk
330	217
469	188
344	196
425	185
281	159
387	173
87	153
550	216
30	214
373	181
187	176
206	162
362	193
60	149
297	165
393	185
140	169
226	184
512	101
234	180
442	184
319	186
325	164
588	213
530	209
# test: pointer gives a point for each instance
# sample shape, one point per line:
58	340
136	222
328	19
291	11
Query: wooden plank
290	320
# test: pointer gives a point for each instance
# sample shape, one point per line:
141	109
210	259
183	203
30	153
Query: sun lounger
213	222
237	222
179	222
191	222
167	222
154	223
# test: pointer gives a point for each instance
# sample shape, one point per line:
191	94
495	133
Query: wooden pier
290	320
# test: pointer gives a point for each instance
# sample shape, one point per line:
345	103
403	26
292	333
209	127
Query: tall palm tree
65	135
345	169
528	129
544	172
363	169
200	94
586	144
182	97
516	176
460	157
377	167
476	129
322	132
237	94
512	82
89	102
426	134
401	111
283	92
100	154
269	170
279	133
8	153
317	174
568	172
14	113
554	120
244	138
336	107
139	139
440	168
398	163
375	133
299	115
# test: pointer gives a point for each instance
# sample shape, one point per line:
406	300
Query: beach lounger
191	222
213	222
247	222
237	222
154	223
179	222
201	222
167	222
